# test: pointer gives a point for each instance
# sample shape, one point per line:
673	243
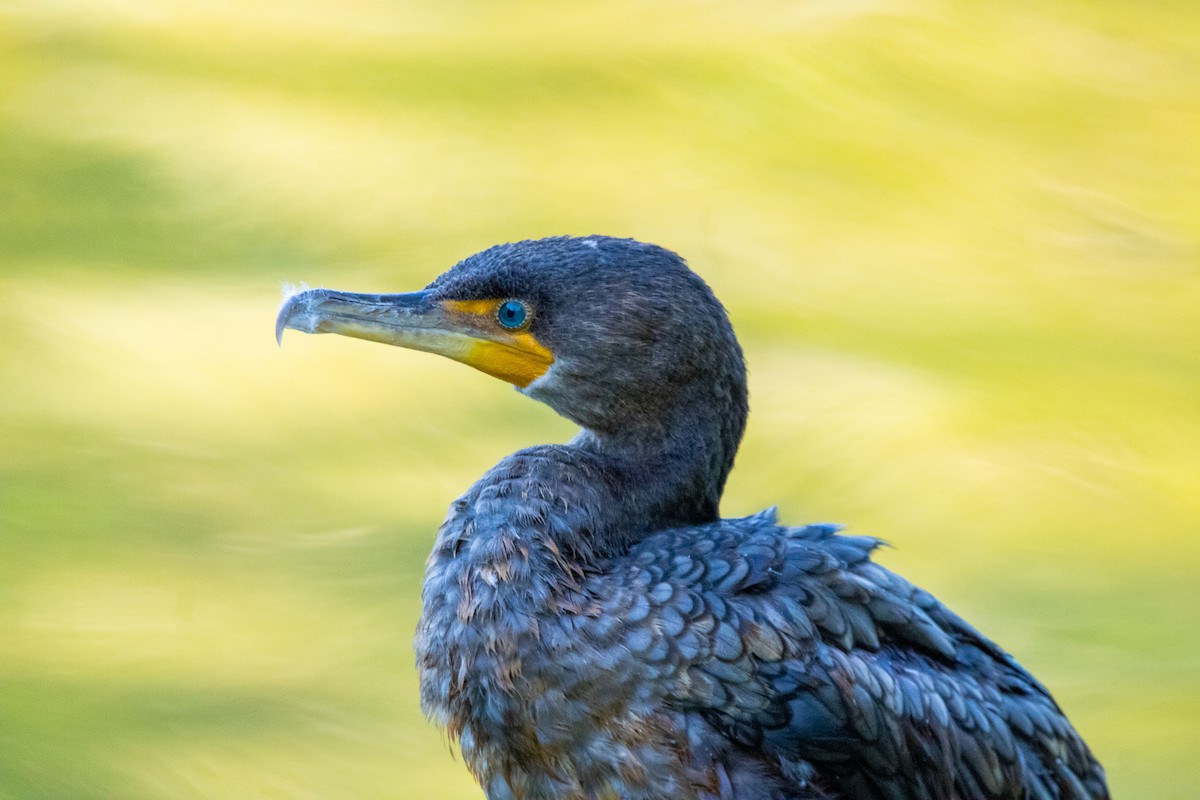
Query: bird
593	629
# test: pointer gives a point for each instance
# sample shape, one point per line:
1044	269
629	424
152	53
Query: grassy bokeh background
961	244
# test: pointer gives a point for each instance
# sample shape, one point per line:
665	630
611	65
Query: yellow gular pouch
510	355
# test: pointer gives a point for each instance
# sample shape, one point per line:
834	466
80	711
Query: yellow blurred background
960	241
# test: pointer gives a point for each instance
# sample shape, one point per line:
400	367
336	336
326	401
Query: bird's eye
512	314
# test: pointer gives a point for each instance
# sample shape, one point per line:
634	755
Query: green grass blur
961	243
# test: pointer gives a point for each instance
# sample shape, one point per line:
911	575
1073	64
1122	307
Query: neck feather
674	469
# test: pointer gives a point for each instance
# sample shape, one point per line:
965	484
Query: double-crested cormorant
593	629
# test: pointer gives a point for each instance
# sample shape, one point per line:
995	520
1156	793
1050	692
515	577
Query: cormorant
593	629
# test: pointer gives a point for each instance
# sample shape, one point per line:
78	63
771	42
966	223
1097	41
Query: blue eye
512	314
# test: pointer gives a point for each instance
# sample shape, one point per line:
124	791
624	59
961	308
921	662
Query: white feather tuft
290	289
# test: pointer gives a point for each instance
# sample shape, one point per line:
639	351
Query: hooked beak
466	331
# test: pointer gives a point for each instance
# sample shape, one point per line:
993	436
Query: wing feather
792	642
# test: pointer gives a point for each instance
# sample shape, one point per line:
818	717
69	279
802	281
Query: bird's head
619	336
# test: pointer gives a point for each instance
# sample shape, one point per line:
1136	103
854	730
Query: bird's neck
545	516
670	472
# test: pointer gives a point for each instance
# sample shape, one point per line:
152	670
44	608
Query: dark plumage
593	629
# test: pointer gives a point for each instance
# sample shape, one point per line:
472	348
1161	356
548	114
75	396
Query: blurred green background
960	241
